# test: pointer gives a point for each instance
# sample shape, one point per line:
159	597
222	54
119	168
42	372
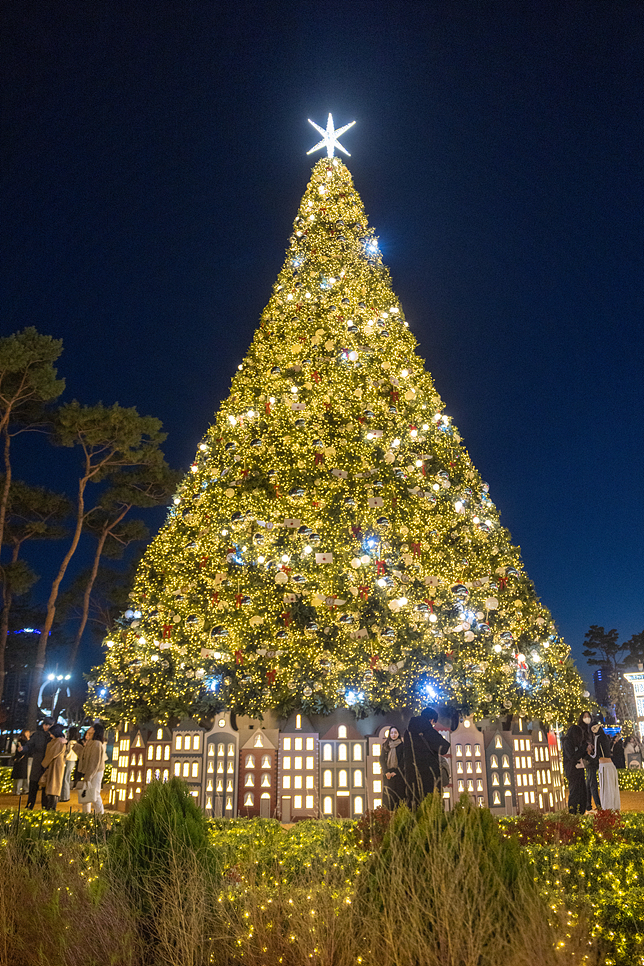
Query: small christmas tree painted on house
333	544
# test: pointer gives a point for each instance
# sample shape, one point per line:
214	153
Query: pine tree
333	545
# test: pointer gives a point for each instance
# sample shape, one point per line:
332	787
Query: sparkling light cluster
333	545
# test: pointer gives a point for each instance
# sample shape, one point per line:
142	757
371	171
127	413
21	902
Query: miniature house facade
298	783
343	754
257	796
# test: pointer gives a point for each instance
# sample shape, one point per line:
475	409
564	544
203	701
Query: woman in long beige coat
54	767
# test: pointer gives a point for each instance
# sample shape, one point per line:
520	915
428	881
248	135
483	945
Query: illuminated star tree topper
330	137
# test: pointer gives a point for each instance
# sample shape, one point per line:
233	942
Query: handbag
80	786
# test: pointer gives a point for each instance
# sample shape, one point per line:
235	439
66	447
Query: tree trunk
4	622
90	584
4	499
39	667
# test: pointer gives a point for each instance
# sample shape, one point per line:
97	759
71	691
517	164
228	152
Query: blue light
429	692
297	261
370	543
371	247
353	697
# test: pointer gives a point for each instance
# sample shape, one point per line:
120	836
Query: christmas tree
333	545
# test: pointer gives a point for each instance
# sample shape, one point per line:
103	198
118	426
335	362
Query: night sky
154	155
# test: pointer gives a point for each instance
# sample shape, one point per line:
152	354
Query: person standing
592	787
392	767
20	770
574	747
619	758
423	746
71	757
53	765
92	765
609	783
36	751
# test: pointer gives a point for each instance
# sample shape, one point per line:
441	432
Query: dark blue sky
154	158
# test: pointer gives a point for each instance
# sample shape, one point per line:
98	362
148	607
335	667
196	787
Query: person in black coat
36	751
574	747
20	770
619	758
392	766
423	746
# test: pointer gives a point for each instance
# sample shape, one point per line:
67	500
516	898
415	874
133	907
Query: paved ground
11	801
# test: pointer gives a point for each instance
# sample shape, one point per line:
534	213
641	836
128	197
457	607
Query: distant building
601	679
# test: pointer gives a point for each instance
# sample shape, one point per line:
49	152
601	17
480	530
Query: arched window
327	805
343	779
220	748
358	806
342	753
357	777
150	751
357	752
186	743
250	761
494	761
342	731
195	769
266	761
258	742
166	753
498	742
496	799
159	752
148	776
186	769
327	752
249	799
327	778
495	779
506	761
195	742
250	781
166	775
266	781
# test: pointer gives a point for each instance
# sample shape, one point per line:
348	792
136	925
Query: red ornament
267	406
319	458
430	603
380	568
316	375
270	676
203	561
374	660
167	631
214	598
238	600
395	395
287	617
364	591
503	583
239	657
415	549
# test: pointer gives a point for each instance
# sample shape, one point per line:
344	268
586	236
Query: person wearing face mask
391	764
592	764
574	747
608	781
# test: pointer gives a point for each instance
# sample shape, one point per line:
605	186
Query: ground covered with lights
458	889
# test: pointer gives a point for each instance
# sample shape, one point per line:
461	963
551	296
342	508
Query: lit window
479	785
195	769
358	807
532	798
298	781
220	748
150	751
298	763
309	763
540	738
309	801
297	801
459	751
177	768
195	743
186	769
342	731
159	753
506	778
249	798
220	767
459	767
249	781
286	762
159	734
310	744
266	781
498	742
461	785
327	752
166	775
357	777
516	744
496	799
529	760
342	753
310	781
468	767
286	744
506	761
468	751
479	768
477	751
538	776
298	744
357	752
377	770
230	768
148	776
250	761
495	779
377	786
186	743
327	778
470	785
286	781
343	779
298	727
229	803
211	750
376	749
530	778
258	741
266	761
177	743
520	780
231	748
523	764
327	805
